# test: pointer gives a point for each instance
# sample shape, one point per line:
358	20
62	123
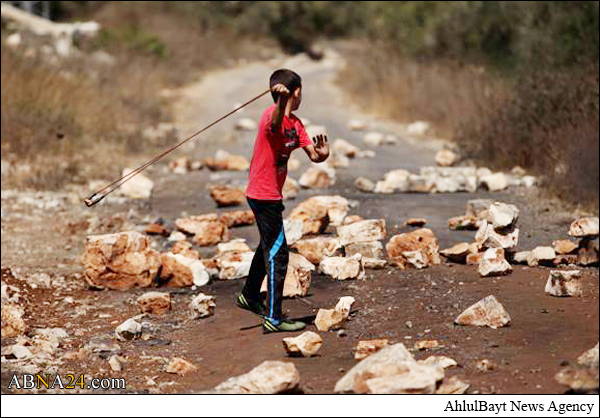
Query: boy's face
297	98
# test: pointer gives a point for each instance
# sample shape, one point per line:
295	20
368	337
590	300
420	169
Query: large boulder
422	240
237	218
343	268
297	279
207	229
333	318
488	312
488	237
584	227
181	271
317	248
319	211
564	283
305	345
493	263
120	261
269	378
362	231
138	187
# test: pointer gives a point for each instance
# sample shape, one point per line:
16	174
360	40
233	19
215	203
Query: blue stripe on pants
272	253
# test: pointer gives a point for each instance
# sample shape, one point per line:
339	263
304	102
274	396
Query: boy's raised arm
284	95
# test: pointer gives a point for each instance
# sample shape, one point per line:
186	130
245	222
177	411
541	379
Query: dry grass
545	121
75	119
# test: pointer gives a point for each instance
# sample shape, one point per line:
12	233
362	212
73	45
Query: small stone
564	246
464	223
364	349
422	241
207	229
487	312
564	283
237	218
306	344
234	265
416	222
495	182
568	259
474	259
270	377
345	148
297	279
589	252
459	252
180	165
442	361
129	330
589	358
246	124
541	255
341	333
362	231
446	158
584	227
317	212
352	219
364	185
485	365
418	128
138	186
185	249
156	229
177	236
202	306
368	250
180	366
236	245
333	318
357	125
341	268
579	379
13	324
226	161
374	139
181	271
115	363
316	249
502	215
227	196
318	177
155	303
487	237
478	208
426	344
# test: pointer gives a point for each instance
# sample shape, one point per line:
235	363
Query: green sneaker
284	326
256	307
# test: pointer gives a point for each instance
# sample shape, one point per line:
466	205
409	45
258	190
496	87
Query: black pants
271	257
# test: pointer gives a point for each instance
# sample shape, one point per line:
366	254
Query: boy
279	133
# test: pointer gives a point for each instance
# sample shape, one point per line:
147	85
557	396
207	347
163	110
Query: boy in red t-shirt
279	133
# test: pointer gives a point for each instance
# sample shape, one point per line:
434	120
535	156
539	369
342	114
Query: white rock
479	208
115	363
368	250
487	312
333	318
128	330
564	283
487	237
341	268
584	227
343	147
357	125
318	177
364	185
17	351
528	181
138	187
493	263
420	379
484	172
297	279
502	215
418	128
236	245
13	40
293	230
177	236
367	153
452	386
373	139
522	257
200	276
362	231
246	124
442	361
541	255
589	358
236	267
446	158
306	344
495	182
202	306
415	259
293	164
392	357
270	377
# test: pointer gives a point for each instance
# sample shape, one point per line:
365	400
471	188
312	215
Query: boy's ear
297	92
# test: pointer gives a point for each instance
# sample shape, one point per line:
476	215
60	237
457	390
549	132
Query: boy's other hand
320	141
281	89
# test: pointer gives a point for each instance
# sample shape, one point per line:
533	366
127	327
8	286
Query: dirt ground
44	233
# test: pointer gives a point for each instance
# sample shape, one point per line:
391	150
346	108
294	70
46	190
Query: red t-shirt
272	150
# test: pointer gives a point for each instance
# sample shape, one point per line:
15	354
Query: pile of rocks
443	179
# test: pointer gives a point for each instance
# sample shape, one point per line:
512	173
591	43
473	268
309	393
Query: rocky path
43	236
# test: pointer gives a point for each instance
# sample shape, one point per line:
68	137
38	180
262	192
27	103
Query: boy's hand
281	89
320	142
